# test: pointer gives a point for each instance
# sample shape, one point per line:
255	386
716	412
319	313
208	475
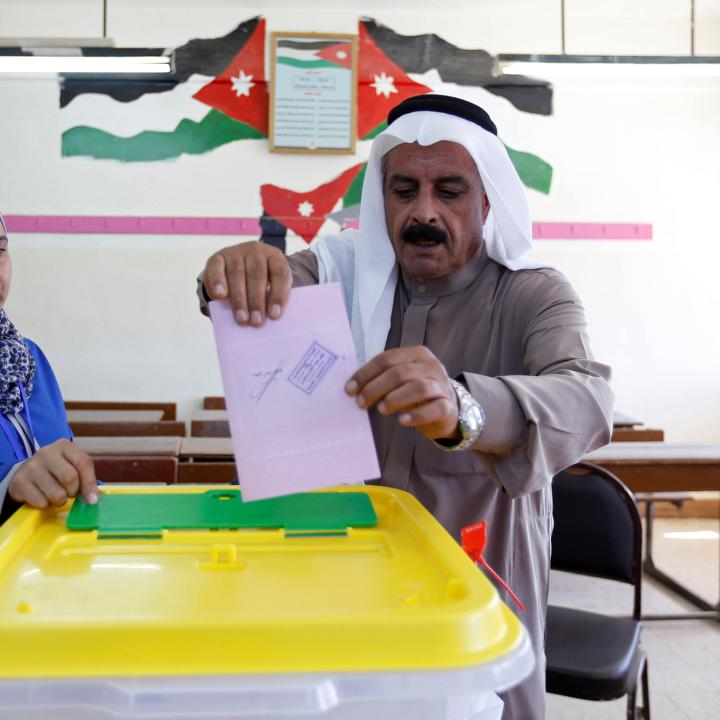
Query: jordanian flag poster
313	79
218	94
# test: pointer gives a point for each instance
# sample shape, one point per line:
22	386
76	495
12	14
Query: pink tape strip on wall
129	225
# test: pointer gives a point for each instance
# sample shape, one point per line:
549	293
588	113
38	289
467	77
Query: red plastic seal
474	540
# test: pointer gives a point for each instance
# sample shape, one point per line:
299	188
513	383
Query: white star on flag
341	54
306	209
384	85
242	83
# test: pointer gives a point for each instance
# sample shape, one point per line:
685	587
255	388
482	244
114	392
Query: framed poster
313	92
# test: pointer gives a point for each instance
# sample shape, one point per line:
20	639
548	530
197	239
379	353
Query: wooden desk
136	468
208	471
168	410
129	429
151	459
213	402
206	460
660	466
622	420
637	434
206	448
657	467
210	423
153	446
107	416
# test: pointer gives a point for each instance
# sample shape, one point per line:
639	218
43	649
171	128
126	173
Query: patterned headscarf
17	365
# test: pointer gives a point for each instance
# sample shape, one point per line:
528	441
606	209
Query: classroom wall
117	314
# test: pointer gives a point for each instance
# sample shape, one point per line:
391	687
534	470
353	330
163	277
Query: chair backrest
597	529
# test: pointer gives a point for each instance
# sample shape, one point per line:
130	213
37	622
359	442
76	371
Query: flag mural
382	84
393	67
305	212
218	94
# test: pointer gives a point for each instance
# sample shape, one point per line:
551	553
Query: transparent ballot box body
288	619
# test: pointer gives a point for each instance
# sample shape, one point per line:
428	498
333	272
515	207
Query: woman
39	465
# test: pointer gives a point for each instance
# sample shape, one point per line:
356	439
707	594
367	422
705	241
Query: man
477	372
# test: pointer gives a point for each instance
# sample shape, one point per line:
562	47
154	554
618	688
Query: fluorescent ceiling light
609	70
84	64
609	66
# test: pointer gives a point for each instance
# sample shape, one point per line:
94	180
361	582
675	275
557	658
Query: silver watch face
473	418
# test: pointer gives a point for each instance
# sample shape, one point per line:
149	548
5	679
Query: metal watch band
471	420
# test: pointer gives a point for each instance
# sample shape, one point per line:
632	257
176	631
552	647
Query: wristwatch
471	420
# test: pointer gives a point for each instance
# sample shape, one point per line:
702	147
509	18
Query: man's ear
485	207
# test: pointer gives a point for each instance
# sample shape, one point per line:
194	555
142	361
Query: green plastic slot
151	513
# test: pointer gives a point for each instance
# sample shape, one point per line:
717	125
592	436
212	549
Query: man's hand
54	474
413	382
255	277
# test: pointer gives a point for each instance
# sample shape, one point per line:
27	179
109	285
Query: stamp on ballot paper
312	368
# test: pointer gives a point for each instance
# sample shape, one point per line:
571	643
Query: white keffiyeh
363	261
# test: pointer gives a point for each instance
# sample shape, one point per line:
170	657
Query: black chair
597	532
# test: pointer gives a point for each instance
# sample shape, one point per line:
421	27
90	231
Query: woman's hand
54	474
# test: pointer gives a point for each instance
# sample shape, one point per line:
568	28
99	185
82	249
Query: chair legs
641	712
646	692
632	704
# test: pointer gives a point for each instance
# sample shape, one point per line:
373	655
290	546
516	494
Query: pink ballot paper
293	426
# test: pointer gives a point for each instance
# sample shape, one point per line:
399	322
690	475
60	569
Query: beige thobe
518	341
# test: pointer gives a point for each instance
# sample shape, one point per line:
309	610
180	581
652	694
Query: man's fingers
280	279
85	469
214	279
412	394
256	273
385	361
440	416
238	290
422	385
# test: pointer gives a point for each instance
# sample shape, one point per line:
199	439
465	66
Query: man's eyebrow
402	178
453	179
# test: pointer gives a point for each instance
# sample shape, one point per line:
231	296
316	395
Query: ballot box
185	602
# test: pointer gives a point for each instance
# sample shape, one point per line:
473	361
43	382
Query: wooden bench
136	468
206	460
210	423
169	410
214	402
152	459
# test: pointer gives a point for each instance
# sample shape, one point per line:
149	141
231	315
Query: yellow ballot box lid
385	592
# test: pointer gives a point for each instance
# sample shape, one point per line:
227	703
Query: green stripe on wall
189	137
352	196
375	131
534	172
308	63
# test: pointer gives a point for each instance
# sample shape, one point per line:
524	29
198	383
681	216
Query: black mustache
421	231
